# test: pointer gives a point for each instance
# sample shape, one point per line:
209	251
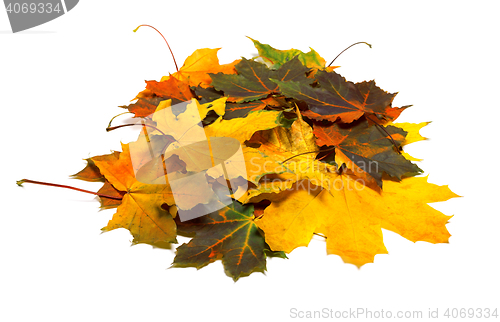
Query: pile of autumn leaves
323	156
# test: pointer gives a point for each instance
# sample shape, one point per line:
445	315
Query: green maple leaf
278	57
229	234
206	94
367	149
335	98
253	79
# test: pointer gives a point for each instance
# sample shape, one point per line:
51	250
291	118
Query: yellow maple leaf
351	216
242	129
412	136
413	131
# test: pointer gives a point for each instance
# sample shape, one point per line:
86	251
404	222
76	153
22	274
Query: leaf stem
20	183
397	146
177	68
361	42
110	121
307	153
124	125
327	153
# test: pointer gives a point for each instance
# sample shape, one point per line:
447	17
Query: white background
61	82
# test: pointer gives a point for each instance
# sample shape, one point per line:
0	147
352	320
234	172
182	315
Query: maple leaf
229	234
367	149
197	66
279	57
335	98
253	79
140	210
91	171
156	92
351	217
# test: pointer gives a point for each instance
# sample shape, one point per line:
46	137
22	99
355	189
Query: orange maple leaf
197	66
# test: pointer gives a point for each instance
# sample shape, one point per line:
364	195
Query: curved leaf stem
361	42
177	68
124	125
110	121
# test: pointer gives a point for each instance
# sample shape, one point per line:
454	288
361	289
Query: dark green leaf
336	98
229	234
368	147
253	79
